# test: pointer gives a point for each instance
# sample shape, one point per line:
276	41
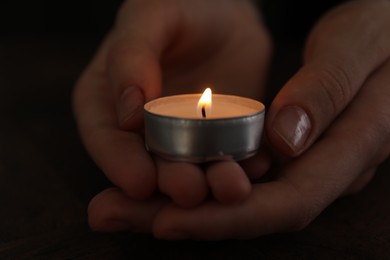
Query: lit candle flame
204	104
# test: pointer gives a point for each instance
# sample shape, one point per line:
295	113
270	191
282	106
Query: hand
155	48
332	118
338	101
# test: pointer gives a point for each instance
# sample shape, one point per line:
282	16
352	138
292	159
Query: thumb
338	60
134	72
141	34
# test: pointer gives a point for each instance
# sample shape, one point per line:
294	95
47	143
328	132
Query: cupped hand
155	48
332	119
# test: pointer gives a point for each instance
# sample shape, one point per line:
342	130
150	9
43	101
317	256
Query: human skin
331	118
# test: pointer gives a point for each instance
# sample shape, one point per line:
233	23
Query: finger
332	74
142	32
360	183
306	186
184	183
121	155
112	211
288	204
264	212
228	182
258	165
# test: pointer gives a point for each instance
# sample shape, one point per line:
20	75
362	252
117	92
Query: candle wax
186	106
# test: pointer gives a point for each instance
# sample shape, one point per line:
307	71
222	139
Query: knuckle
335	83
381	139
383	123
360	182
302	211
304	217
115	54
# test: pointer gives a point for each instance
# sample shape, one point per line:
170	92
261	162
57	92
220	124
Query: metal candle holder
199	140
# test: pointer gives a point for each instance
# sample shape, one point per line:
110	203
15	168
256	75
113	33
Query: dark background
90	18
47	179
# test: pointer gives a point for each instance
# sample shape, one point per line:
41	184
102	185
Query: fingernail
129	104
293	126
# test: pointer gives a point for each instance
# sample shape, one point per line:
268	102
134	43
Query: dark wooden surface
46	179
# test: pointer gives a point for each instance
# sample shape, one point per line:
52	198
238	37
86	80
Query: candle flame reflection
204	104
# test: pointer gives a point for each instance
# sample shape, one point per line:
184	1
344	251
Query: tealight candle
200	128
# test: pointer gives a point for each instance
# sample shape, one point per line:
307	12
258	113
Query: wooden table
47	179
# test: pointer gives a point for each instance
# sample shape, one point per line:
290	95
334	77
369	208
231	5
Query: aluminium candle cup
199	140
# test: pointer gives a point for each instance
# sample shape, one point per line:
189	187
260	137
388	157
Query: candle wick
204	111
